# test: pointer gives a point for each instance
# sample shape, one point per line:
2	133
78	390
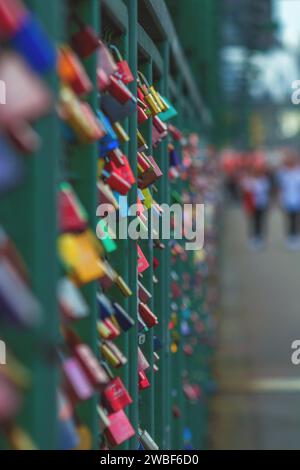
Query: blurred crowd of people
258	184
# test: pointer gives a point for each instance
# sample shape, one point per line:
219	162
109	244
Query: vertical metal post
84	164
148	395
132	247
162	303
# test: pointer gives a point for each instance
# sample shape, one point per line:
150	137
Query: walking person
256	190
289	186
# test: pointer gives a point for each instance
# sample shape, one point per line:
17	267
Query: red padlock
116	157
72	72
85	41
117	89
143	263
123	68
89	363
119	429
144	164
12	15
147	315
96	129
72	216
117	183
160	126
126	172
144	295
114	332
143	380
115	395
142	116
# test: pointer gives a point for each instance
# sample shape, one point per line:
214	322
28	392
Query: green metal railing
145	35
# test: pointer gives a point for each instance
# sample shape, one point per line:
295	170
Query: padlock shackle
117	52
143	79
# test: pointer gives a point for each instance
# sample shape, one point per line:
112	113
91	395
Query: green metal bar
177	364
148	396
162	383
84	164
132	248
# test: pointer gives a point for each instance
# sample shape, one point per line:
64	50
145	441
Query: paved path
258	405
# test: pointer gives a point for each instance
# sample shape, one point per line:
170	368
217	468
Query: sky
288	15
279	68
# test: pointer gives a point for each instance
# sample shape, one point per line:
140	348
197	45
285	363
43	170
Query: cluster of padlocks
99	324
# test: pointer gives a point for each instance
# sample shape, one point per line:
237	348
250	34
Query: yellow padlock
109	355
121	133
19	439
80	255
124	288
103	331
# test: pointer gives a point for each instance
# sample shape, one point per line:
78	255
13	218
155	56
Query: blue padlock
11	167
105	307
68	438
34	45
110	141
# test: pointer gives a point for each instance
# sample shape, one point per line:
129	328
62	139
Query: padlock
72	303
169	113
78	387
121	133
106	60
85	438
174	157
117	183
10	400
119	91
17	303
143	364
142	144
105	307
114	331
142	161
106	196
85	41
12	15
68	438
143	380
27	96
102	80
116	111
89	363
80	117
10	252
116	156
149	97
23	137
16	372
103	418
18	439
157	137
147	442
124	71
115	395
33	44
119	429
123	319
109	355
72	215
109	276
11	167
117	352
106	236
141	114
103	331
124	288
159	100
79	255
142	327
109	142
144	294
160	125
155	263
72	72
143	263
